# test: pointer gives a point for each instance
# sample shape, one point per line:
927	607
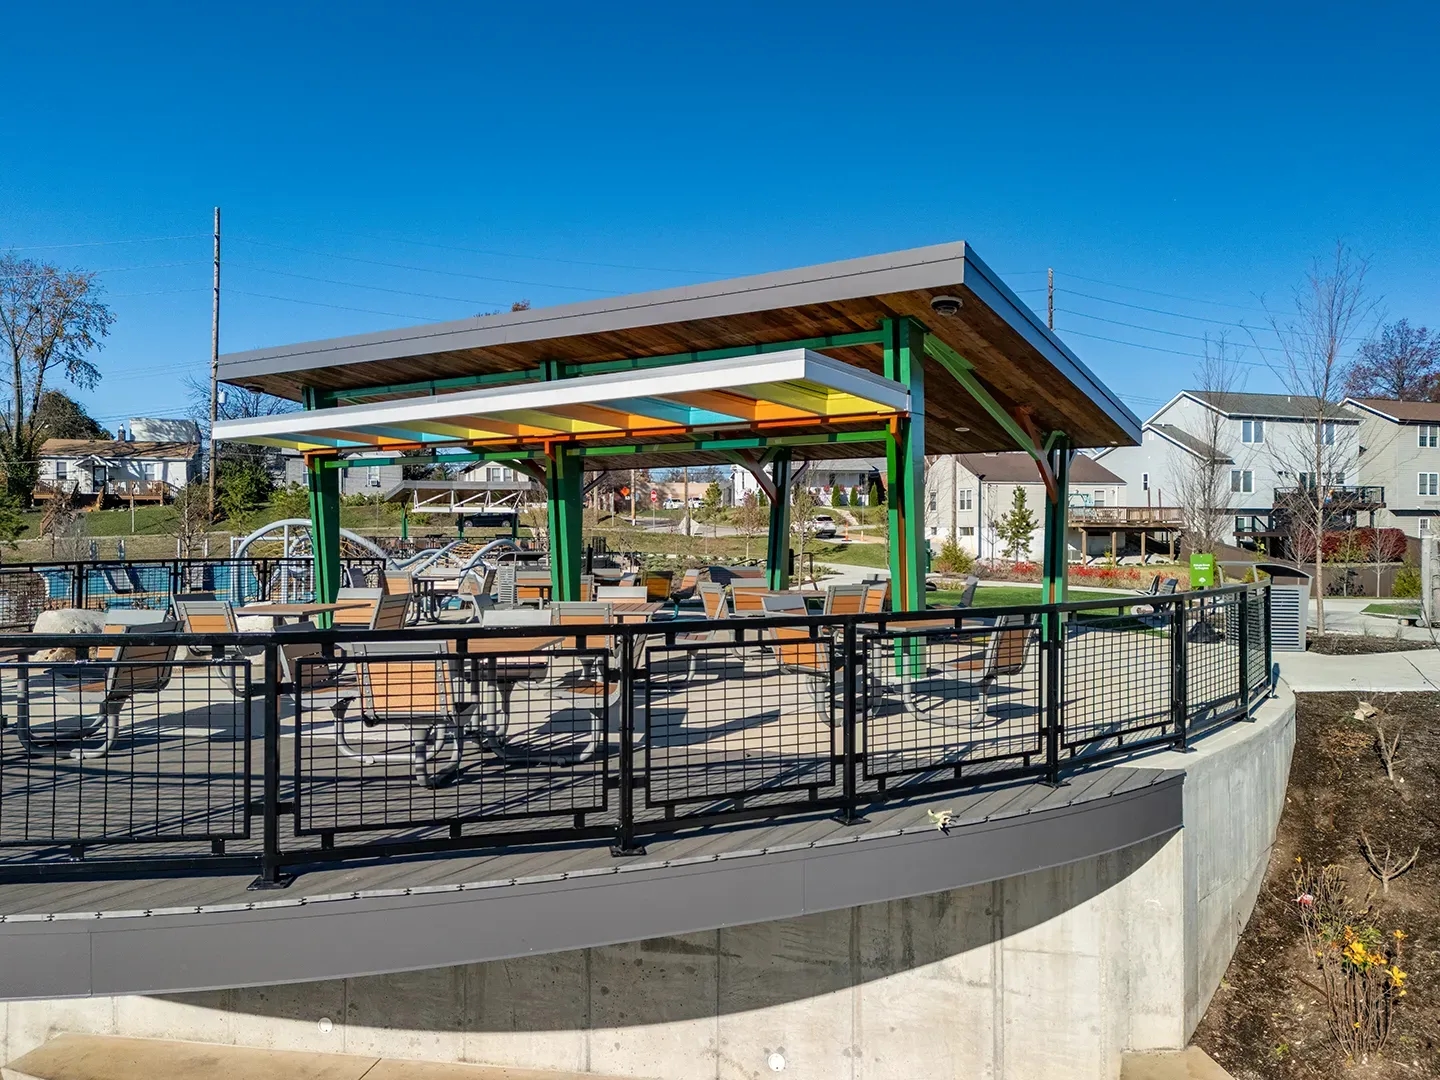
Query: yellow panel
611	418
724	401
825	402
543	420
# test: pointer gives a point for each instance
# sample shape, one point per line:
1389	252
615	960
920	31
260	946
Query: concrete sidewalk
108	1057
1373	673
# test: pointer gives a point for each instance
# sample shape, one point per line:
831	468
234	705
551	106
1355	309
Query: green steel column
777	540
324	487
1054	562
563	473
905	466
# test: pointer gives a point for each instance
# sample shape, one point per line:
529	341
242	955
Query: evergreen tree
1016	527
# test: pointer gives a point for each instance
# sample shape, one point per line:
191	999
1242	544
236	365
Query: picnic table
298	611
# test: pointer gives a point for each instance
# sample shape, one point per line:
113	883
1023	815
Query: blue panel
672	412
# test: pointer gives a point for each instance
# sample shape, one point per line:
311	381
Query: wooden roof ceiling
1021	362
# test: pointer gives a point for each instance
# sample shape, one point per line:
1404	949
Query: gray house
356	480
1400	452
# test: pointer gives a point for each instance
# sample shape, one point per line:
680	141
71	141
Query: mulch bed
1361	644
1264	1022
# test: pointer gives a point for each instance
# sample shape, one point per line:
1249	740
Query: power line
337	307
1176	333
422	269
108	243
1157	311
1169	296
1155	348
156	292
148	266
359	285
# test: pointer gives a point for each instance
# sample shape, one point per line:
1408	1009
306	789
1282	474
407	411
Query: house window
1144	481
372	476
1242	480
1099	499
62	470
493	474
934	495
1427	436
965	499
1424	526
966	530
152	470
1252	431
1329	432
1429	483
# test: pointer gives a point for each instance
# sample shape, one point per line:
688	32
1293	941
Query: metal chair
1006	650
407	686
845	599
747	598
357	615
135	669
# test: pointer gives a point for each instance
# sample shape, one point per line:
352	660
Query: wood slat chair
689	583
845	599
532	586
407	686
801	652
215	617
712	599
357	616
606	593
135	669
398	582
747	598
658	585
392	612
1007	648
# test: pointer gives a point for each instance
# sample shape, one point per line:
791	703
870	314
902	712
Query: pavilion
907	354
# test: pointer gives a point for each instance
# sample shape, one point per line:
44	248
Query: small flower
1398	977
1400	935
1305	900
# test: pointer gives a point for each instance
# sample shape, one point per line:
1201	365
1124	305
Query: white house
88	469
1400	455
968	495
820	478
1265	441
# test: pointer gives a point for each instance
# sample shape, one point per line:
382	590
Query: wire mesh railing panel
1256	667
1118	677
134	748
24	594
962	703
128	585
1212	658
737	723
412	738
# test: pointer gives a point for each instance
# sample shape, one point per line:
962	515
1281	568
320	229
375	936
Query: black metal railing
157	752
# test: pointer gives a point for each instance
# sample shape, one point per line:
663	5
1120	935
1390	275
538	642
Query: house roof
1019	468
1186	441
1278	406
858	464
110	448
1402	412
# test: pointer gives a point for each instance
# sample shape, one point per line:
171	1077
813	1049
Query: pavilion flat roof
1021	362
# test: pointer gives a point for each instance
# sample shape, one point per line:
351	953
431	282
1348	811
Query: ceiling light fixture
949	306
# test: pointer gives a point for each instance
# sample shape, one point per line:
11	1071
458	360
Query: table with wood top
298	611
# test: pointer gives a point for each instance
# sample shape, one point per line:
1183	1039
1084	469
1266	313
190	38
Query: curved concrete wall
1050	974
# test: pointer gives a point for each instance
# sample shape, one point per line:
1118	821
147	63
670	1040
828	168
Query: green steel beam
557	369
905	341
745	442
777	538
434	459
963	372
563	474
1054	563
324	488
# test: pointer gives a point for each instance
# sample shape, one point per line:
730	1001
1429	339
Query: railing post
1054	635
1269	655
1179	680
270	874
849	670
1245	650
625	834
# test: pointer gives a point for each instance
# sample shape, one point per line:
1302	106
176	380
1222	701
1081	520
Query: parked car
672	504
824	527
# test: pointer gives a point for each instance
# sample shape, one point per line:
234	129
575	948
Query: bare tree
1329	315
1402	364
238	404
50	319
1201	479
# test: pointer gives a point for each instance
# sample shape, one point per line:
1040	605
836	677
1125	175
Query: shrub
244	486
953	559
1359	964
1406	585
1363	545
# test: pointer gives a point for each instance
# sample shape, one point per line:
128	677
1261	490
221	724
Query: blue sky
381	165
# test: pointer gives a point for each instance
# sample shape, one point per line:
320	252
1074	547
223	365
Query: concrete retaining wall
1050	974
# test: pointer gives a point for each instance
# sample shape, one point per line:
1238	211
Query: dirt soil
1265	1022
1361	644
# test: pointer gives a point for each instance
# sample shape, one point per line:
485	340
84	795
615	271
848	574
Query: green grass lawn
1009	596
1398	609
849	554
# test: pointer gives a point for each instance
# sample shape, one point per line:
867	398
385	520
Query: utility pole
1049	277
214	363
